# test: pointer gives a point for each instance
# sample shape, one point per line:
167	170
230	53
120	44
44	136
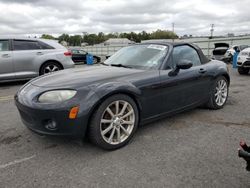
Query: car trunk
219	50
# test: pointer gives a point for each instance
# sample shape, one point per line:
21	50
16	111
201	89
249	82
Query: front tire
219	95
243	71
114	123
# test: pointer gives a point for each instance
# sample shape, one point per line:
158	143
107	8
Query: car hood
78	77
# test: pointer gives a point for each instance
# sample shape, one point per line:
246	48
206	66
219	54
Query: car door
78	55
188	87
6	61
83	55
24	54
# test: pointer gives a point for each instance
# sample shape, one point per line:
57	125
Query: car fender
107	89
221	70
40	60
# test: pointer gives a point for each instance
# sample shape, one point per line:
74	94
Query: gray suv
22	58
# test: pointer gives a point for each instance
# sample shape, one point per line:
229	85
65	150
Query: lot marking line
7	98
16	162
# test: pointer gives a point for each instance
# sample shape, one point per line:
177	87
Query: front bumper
52	119
39	120
243	61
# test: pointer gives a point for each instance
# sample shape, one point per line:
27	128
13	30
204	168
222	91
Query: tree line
91	39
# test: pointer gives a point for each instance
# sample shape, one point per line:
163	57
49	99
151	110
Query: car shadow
12	83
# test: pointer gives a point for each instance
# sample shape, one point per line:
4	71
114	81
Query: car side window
4	45
82	52
26	45
184	52
44	46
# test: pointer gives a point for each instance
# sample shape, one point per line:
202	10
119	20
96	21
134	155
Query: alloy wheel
221	92
51	68
117	122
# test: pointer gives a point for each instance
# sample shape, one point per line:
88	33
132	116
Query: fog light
51	125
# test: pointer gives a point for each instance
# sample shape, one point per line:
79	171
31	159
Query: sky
192	17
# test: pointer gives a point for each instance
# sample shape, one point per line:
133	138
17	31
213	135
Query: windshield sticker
157	47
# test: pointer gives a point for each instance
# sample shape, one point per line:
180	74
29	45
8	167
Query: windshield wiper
121	65
104	64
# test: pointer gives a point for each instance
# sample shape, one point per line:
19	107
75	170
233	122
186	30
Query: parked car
138	84
219	50
24	58
243	61
79	56
228	57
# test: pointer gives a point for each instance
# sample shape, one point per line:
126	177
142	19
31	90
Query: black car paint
78	57
156	92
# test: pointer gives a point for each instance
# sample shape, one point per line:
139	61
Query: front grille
247	63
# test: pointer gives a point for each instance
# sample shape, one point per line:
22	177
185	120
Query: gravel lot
193	149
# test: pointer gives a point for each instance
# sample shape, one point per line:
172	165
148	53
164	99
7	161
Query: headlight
56	96
244	53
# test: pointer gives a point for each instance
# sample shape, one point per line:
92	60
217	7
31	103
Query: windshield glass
147	56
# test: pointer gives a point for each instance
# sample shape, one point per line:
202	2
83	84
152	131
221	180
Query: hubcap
117	122
221	92
51	68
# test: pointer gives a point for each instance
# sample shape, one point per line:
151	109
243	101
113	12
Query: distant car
25	58
138	84
219	50
79	56
228	57
243	61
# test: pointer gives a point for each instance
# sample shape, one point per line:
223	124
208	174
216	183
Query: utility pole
211	36
212	30
173	29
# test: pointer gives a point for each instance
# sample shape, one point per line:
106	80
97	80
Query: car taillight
68	53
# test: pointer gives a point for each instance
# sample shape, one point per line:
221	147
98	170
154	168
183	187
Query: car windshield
147	56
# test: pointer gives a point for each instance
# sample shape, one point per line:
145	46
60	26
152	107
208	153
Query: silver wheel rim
95	61
117	122
221	92
50	68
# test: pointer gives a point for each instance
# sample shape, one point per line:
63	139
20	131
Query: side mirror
184	64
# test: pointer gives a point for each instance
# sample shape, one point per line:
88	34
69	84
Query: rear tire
243	71
114	123
50	67
219	95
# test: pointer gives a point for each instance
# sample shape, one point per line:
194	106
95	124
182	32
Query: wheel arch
47	61
227	77
132	95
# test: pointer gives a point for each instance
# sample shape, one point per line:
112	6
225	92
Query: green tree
163	34
46	36
64	37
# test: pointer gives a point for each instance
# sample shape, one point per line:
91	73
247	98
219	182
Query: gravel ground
193	149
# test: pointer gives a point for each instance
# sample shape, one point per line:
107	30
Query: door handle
39	53
202	71
5	55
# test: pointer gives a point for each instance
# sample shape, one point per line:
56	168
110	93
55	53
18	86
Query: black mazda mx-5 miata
136	85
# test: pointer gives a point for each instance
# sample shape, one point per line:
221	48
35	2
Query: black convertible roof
203	58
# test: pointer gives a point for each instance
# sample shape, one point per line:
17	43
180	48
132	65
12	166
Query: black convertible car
136	85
